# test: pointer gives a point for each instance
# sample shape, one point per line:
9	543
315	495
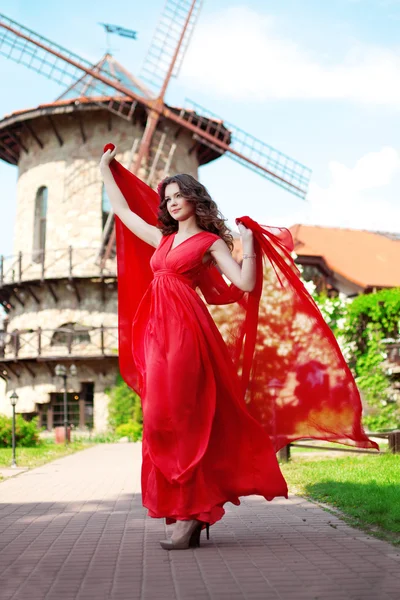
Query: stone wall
71	174
4	400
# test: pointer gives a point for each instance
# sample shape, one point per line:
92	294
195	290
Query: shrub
26	432
364	326
131	430
125	408
383	418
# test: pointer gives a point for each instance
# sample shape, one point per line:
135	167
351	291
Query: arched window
105	206
70	334
39	231
106	211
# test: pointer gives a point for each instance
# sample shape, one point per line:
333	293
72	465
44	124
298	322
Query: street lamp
61	371
13	400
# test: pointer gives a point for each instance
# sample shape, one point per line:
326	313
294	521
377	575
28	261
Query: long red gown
201	447
216	409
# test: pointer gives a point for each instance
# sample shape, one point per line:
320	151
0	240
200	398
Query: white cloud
238	54
373	170
356	197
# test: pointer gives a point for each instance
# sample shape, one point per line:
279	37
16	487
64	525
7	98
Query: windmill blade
96	82
27	47
223	137
166	40
40	54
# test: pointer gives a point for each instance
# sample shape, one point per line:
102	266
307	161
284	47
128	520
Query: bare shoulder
219	246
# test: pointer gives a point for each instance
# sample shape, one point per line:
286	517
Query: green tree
124	406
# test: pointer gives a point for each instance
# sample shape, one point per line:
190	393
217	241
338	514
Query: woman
202	444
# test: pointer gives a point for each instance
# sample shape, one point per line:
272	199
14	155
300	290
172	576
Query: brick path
75	529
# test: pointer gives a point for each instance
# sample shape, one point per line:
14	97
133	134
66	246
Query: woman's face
178	207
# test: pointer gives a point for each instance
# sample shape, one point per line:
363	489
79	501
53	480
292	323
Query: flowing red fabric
219	401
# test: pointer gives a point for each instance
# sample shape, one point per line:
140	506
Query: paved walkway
12	471
75	529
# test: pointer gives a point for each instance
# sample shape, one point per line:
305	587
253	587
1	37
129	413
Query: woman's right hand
107	157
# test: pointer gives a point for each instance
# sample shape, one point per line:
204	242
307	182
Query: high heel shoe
190	540
194	541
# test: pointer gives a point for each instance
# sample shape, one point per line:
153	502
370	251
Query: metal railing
393	438
59	342
54	264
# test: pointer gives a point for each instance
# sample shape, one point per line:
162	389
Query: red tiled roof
66	102
367	258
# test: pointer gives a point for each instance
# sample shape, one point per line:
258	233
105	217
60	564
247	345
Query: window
106	211
57	402
39	232
105	206
15	342
79	408
3	337
70	334
394	354
43	410
312	273
87	396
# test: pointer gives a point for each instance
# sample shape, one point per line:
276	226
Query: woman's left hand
245	233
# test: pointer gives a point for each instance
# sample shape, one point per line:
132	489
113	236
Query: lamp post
61	371
13	400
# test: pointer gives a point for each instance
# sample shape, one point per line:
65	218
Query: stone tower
59	297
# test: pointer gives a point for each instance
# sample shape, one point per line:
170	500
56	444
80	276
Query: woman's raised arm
244	277
148	233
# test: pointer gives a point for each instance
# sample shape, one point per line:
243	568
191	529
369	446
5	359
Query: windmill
59	288
113	91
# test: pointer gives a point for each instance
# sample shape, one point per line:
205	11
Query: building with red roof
351	261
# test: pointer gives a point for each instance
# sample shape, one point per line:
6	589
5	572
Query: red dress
215	411
201	447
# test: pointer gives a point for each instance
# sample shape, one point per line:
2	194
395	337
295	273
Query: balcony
63	342
64	263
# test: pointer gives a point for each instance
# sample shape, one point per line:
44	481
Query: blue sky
319	81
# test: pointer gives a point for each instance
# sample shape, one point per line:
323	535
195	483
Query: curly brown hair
208	217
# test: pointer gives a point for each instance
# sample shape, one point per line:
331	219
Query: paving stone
82	534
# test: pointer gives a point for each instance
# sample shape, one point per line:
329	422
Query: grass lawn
366	489
39	455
